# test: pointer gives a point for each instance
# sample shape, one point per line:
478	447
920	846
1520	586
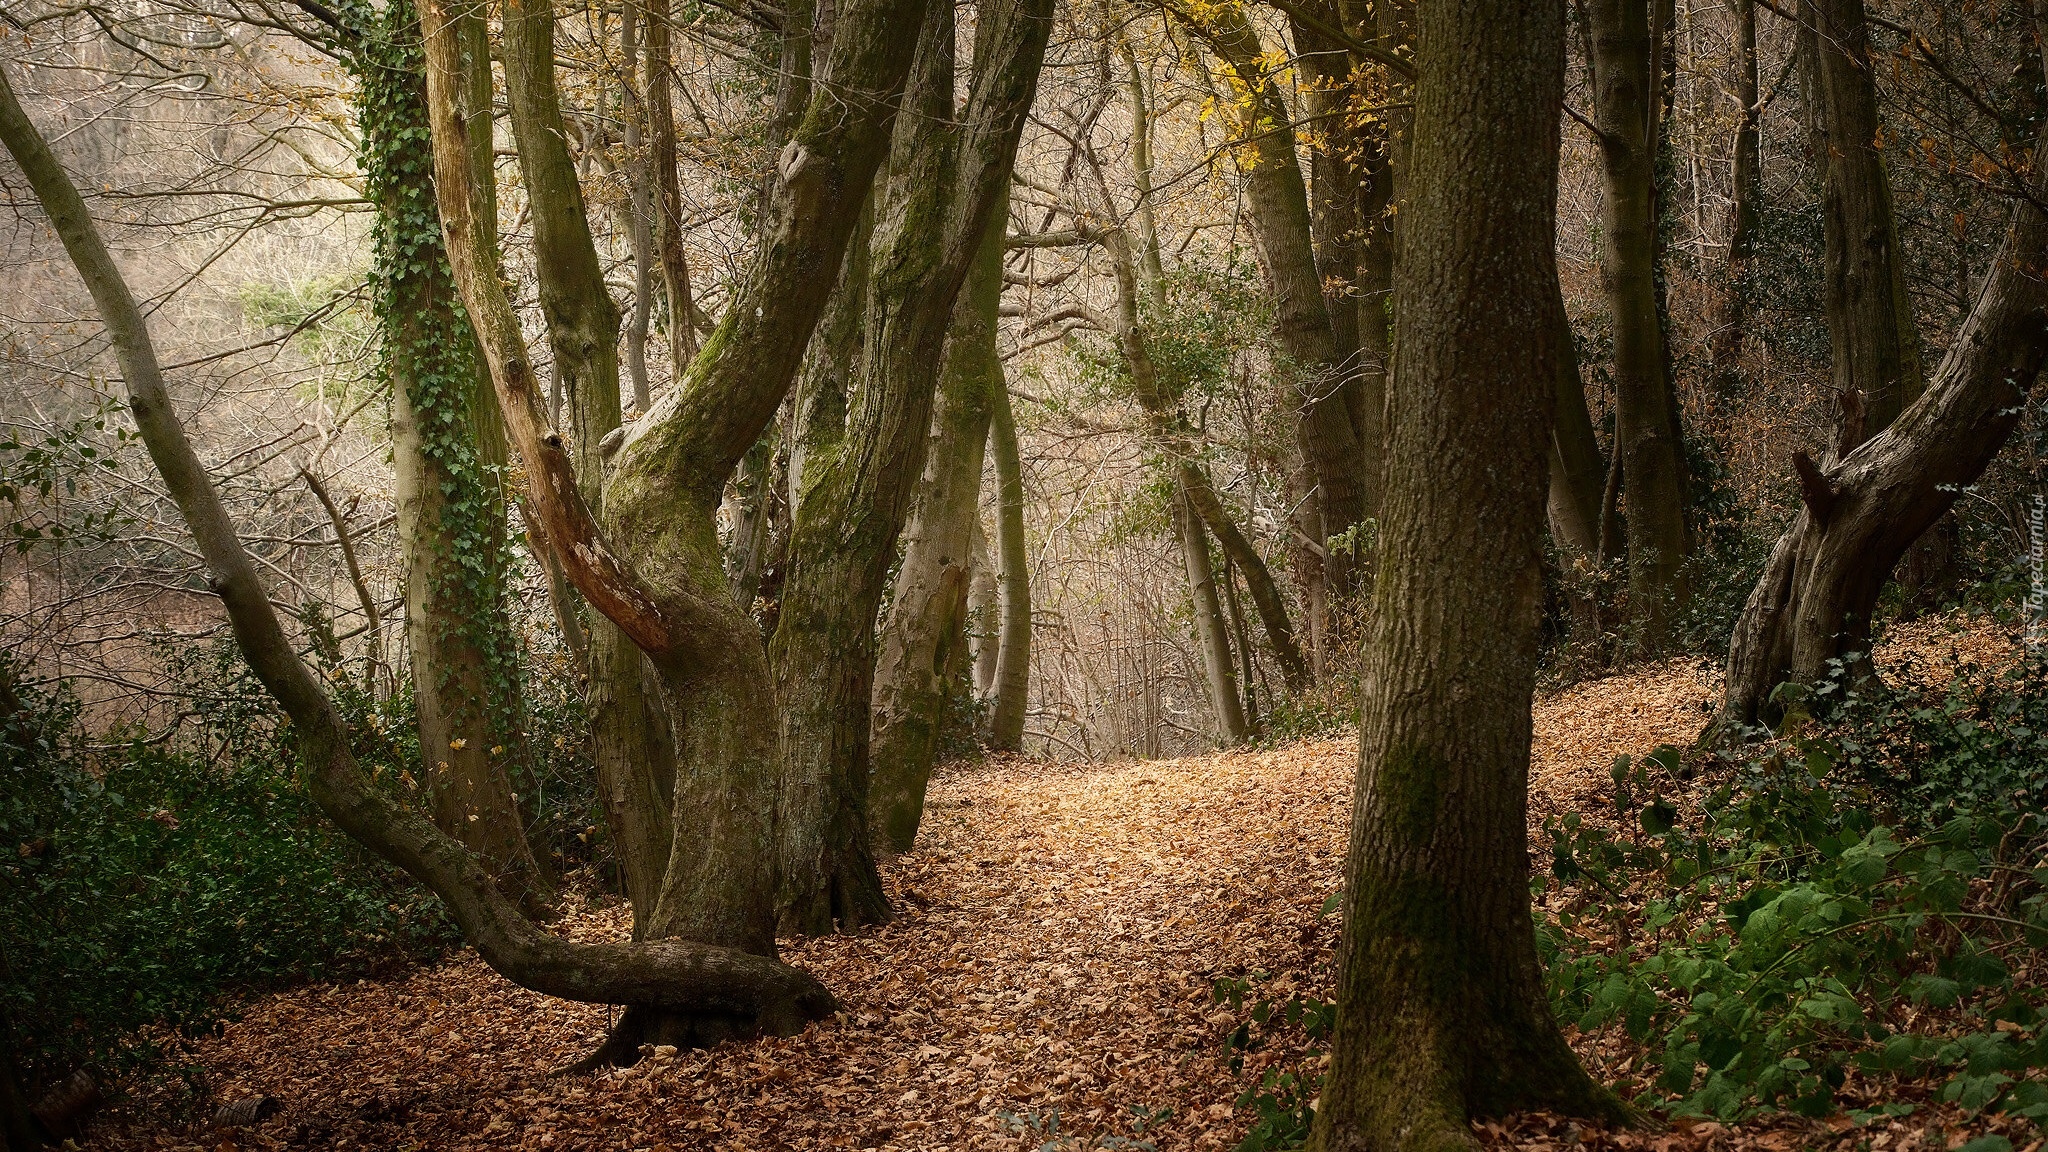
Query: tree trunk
639	202
451	523
1625	103
984	627
1442	1014
668	235
1859	515
1731	299
654	566
1873	341
945	178
1212	630
925	633
1013	586
670	975
1277	201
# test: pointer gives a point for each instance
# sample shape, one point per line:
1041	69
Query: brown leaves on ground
1047	977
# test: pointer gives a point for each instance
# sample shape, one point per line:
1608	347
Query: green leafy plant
1781	939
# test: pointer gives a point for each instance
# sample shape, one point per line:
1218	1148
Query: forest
1045	574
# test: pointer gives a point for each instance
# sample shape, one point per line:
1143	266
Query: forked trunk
1441	1011
1814	602
945	178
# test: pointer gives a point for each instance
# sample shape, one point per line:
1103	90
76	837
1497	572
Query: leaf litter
1045	983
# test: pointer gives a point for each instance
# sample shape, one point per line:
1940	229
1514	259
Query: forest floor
1047	978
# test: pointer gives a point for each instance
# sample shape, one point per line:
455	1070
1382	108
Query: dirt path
1048	975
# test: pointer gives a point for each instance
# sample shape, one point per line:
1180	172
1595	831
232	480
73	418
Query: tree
1860	512
1626	102
654	566
947	172
921	663
1441	1010
1012	687
666	975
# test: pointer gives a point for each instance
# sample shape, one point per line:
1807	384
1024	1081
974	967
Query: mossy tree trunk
669	975
1442	1013
922	656
1625	102
945	178
446	457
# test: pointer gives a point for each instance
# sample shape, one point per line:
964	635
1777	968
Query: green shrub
141	881
1786	938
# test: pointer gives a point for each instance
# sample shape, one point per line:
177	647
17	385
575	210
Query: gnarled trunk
1858	516
1442	1013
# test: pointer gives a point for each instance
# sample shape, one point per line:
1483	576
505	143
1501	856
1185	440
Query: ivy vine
428	348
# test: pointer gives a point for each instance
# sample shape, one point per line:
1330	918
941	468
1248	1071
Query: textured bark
1212	631
1442	1014
984	636
1871	336
1625	104
669	974
463	746
924	637
1859	515
945	178
1013	585
1730	302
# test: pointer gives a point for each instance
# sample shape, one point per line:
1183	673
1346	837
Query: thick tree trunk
1212	630
917	671
1442	1012
1814	602
945	179
1013	584
451	524
630	738
1871	335
670	975
1731	299
1625	103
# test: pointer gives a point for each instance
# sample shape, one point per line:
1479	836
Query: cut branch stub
1814	490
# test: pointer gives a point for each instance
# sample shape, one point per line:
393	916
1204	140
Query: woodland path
1060	926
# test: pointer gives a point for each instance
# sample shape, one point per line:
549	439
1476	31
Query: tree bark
639	201
1212	631
669	974
668	234
1625	105
1442	1013
1814	602
654	566
1013	586
945	179
1873	341
924	636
